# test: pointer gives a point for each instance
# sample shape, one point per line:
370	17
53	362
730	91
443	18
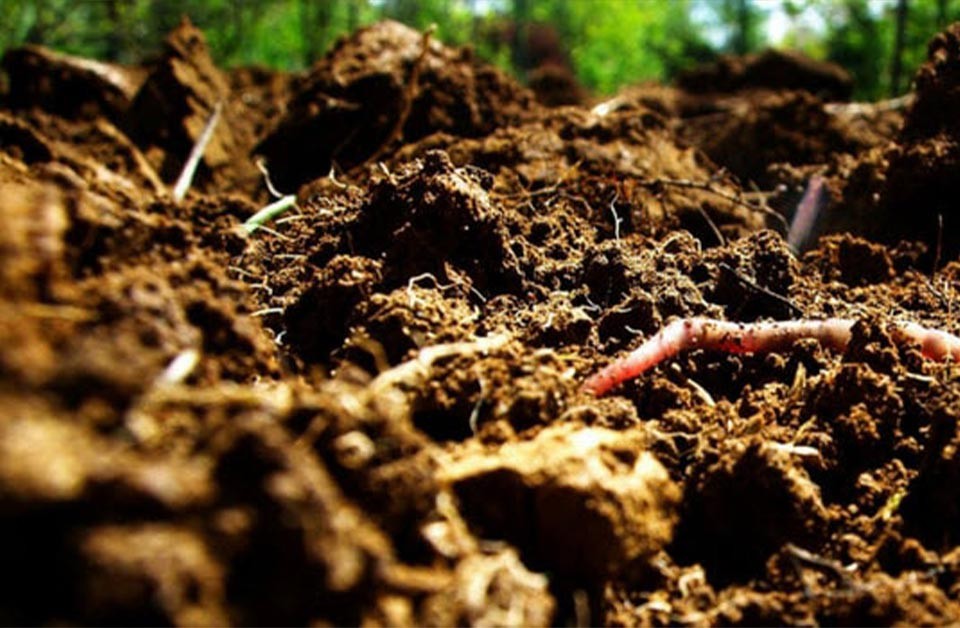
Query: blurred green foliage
608	43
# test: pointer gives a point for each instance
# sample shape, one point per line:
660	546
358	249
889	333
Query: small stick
869	108
704	333
708	187
939	248
190	168
713	226
146	170
800	555
758	288
262	167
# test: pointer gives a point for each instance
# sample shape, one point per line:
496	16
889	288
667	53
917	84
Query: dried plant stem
711	189
140	162
415	371
869	108
704	333
190	167
779	298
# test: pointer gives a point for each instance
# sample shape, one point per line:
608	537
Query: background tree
315	24
859	40
608	43
899	42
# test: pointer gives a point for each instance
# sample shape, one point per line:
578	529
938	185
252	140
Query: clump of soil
936	88
173	105
623	505
771	128
771	69
369	410
757	114
900	190
66	85
386	85
556	85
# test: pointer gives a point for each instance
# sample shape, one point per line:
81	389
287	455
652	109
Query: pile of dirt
66	85
175	102
385	86
771	69
753	114
369	409
902	189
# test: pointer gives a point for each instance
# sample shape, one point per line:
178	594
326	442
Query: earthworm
706	333
815	197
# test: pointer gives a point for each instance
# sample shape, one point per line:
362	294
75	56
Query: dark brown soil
370	410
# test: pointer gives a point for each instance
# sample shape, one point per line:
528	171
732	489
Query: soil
369	410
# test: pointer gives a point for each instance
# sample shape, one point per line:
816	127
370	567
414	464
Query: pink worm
706	333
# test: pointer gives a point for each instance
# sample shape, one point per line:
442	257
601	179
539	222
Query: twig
607	106
868	108
704	333
332	176
804	451
413	281
713	226
475	413
707	187
142	165
779	298
190	167
939	248
179	368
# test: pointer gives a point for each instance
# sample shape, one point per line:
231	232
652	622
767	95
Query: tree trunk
741	44
315	20
518	45
37	33
474	21
353	15
896	66
116	35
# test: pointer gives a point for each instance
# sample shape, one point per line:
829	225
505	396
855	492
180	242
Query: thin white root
413	372
190	168
262	167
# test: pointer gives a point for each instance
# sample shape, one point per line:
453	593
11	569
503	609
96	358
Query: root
710	188
190	167
413	372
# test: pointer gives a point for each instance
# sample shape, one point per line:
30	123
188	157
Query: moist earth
368	410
